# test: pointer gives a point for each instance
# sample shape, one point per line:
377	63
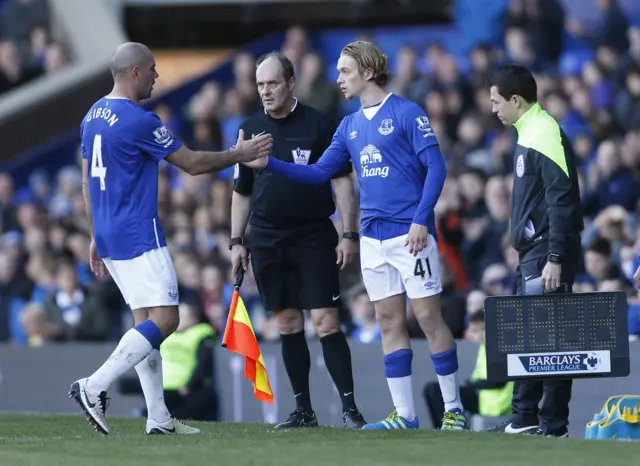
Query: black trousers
553	415
433	398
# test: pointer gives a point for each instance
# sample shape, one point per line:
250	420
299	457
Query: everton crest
386	127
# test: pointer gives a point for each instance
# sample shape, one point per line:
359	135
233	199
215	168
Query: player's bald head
127	56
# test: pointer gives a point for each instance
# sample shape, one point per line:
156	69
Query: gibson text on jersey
104	113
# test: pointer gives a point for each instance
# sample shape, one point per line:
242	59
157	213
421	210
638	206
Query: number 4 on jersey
419	269
98	170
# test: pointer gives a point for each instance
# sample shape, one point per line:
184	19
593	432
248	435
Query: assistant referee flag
240	338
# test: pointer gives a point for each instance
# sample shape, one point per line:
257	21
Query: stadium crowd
48	294
27	49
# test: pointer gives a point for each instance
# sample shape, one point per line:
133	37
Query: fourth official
546	222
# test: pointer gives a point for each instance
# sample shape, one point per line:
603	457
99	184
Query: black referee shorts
296	269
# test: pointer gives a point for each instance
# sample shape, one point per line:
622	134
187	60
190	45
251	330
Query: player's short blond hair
369	57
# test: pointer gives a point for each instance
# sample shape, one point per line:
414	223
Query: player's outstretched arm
197	163
329	164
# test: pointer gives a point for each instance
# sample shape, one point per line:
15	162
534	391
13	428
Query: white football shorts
388	268
148	280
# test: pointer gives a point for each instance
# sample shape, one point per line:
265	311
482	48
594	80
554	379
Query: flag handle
239	278
234	303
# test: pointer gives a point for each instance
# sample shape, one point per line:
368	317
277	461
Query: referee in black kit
546	222
293	240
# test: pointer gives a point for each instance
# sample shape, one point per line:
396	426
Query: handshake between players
255	150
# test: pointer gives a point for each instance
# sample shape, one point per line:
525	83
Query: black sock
337	358
297	362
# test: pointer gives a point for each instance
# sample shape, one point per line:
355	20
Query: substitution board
574	335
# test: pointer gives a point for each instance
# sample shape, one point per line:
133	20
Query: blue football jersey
385	153
123	144
397	159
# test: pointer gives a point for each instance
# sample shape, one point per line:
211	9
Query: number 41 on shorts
422	269
419	269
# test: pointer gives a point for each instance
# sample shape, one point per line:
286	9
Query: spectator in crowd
611	31
599	263
19	17
27	49
74	312
34	321
312	87
363	314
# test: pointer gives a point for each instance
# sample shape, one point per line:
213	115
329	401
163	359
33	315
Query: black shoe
513	428
562	433
353	419
299	418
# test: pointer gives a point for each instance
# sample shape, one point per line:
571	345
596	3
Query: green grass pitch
27	440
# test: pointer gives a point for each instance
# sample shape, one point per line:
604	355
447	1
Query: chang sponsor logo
371	162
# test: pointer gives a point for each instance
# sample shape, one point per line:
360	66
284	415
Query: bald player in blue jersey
122	145
401	174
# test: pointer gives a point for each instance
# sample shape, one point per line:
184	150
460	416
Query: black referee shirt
300	137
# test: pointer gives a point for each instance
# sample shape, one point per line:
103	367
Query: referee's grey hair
285	63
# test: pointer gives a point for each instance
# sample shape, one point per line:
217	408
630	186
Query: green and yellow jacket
546	213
